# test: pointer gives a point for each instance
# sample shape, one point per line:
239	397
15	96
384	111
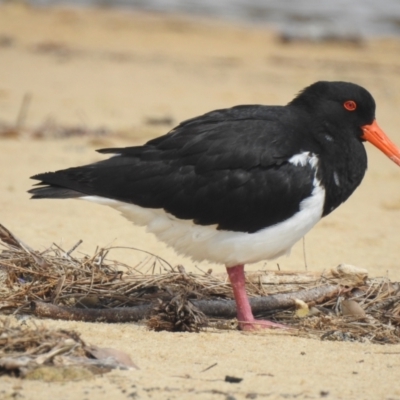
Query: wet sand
100	68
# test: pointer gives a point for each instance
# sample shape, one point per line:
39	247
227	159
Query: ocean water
312	19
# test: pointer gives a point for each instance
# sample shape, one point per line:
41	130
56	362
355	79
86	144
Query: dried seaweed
41	353
97	286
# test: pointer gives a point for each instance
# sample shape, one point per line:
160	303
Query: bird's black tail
55	185
54	192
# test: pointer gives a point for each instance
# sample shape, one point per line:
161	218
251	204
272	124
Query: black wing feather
228	167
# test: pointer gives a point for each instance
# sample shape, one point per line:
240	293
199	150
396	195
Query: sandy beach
118	72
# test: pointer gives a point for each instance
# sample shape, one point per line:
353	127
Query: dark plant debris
342	304
176	314
232	379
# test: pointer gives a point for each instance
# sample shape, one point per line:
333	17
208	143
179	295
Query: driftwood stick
211	308
23	110
110	315
280	301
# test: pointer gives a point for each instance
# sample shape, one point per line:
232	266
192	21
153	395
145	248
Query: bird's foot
257	324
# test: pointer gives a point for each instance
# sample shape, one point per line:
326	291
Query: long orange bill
378	138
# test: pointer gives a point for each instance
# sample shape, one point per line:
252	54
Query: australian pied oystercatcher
238	185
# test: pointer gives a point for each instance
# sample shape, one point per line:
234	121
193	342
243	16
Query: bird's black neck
343	162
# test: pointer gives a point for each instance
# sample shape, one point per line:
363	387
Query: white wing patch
302	159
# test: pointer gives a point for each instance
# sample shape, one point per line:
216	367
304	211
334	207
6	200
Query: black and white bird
238	185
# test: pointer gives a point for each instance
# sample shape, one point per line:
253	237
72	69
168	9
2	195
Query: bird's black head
349	108
338	102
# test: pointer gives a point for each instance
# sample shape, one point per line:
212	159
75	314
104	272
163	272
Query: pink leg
247	322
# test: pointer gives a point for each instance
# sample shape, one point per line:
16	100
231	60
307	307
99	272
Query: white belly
219	246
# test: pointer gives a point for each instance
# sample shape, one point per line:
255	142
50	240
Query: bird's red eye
350	105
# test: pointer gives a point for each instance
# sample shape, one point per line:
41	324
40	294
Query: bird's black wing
228	167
